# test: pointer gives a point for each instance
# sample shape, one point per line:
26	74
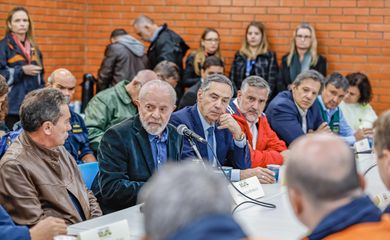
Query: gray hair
337	80
255	81
142	20
216	78
180	193
323	167
40	106
163	85
309	74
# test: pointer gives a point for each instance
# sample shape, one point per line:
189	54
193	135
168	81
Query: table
279	223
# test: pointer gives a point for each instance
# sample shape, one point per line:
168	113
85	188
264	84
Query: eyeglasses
216	40
304	37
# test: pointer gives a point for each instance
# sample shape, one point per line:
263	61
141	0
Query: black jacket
266	66
284	75
189	98
167	46
190	78
126	163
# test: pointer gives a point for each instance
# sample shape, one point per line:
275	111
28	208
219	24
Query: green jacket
106	109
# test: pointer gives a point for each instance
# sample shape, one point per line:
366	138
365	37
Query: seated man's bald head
322	166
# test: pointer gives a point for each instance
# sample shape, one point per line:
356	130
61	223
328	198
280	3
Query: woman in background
20	61
356	104
303	56
254	57
209	46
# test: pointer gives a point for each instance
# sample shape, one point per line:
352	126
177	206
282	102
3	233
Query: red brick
254	10
327	26
379	27
353	27
209	9
242	17
292	3
267	18
355	11
220	2
354	42
379	11
279	10
369	19
369	35
343	19
267	3
317	3
244	3
341	50
344	3
305	10
371	3
329	11
343	34
231	10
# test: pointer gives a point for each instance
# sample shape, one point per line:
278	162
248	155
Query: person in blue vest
336	86
43	230
77	143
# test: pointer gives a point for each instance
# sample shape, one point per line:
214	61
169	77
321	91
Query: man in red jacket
266	147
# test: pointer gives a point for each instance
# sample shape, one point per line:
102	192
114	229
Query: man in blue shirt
336	86
44	230
77	143
208	118
131	151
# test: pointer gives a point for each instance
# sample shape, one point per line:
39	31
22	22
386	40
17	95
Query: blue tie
210	147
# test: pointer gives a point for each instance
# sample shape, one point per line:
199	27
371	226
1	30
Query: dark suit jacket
285	120
126	163
228	153
189	98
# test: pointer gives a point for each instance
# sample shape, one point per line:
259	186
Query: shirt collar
163	138
205	124
330	111
155	34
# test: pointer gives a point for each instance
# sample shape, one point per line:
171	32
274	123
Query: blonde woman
209	46
254	57
20	61
303	56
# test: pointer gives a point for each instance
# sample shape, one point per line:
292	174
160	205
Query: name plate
362	145
250	187
114	231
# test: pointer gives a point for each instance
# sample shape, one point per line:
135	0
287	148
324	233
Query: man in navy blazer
226	137
293	113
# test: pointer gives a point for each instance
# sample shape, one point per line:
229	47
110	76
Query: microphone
185	131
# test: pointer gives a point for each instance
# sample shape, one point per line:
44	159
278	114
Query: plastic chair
88	172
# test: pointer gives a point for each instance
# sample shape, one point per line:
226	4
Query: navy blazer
285	120
126	163
228	153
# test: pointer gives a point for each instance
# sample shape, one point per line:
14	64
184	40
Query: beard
153	130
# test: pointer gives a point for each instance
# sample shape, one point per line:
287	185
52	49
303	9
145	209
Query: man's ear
386	158
47	127
137	103
296	201
362	182
239	94
199	94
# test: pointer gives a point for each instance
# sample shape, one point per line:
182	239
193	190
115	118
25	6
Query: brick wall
354	35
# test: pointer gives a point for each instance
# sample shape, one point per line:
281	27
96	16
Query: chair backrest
88	172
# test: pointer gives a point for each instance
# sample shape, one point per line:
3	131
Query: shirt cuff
240	144
235	175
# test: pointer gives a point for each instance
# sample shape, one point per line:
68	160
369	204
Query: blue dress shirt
159	148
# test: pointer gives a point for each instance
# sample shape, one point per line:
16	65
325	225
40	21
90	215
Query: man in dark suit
293	113
208	118
131	151
212	65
